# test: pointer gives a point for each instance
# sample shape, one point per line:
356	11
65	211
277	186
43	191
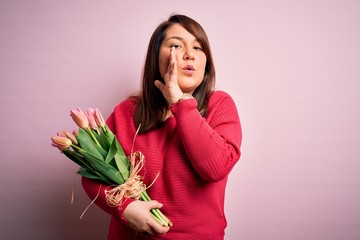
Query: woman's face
191	60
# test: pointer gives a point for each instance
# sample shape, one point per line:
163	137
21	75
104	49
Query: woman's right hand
170	89
140	219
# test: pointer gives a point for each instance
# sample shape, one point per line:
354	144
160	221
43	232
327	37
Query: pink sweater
193	155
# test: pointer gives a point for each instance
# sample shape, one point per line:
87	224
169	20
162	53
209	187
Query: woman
189	134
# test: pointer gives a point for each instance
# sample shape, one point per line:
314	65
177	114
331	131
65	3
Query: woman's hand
140	219
170	89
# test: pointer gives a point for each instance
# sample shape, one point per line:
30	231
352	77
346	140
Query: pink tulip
91	117
99	118
79	118
62	143
75	132
68	135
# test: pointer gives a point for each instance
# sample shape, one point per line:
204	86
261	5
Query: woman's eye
175	46
198	48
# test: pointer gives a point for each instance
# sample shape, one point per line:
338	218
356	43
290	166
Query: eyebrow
175	37
180	39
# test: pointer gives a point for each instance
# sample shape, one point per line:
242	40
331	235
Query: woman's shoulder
221	102
126	106
218	96
221	108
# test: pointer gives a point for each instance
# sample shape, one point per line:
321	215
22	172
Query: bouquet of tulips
100	156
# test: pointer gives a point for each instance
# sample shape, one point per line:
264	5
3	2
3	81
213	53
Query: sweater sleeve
96	191
212	144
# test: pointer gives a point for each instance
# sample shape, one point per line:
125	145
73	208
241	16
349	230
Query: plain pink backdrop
292	68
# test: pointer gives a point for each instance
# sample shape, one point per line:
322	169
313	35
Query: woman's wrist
184	96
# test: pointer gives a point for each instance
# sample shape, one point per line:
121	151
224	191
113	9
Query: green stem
158	215
76	147
92	136
155	214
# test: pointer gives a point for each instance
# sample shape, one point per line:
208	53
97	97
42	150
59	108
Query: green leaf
121	161
103	140
77	158
108	134
88	145
112	151
117	158
93	175
124	169
105	169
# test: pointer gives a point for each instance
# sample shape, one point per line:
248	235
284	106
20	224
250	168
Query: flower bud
99	118
90	115
62	143
69	135
79	118
75	132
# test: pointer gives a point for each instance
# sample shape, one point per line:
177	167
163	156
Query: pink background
291	66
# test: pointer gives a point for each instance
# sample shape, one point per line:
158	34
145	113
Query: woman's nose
188	54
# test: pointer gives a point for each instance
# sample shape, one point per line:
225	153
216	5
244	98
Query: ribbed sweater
193	156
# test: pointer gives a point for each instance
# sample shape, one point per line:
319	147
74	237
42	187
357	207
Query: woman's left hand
171	89
139	218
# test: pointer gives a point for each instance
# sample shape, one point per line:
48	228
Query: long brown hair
151	104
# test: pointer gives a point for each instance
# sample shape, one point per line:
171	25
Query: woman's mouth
188	69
